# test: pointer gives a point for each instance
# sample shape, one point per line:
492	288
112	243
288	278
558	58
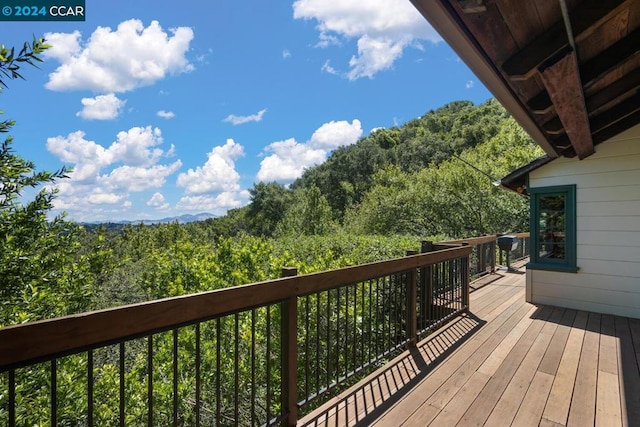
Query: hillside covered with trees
434	175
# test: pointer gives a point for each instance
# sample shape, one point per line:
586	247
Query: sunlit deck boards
507	363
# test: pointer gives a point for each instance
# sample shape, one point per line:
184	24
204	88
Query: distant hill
182	219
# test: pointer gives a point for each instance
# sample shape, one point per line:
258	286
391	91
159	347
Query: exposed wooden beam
562	142
619	127
562	82
628	83
553	126
611	58
447	22
585	18
540	103
472	6
615	114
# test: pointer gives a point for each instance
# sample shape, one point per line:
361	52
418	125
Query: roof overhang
567	70
517	180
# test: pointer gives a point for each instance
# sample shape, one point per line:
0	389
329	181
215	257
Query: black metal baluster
355	322
175	377
54	393
268	364
150	381
329	346
236	369
317	362
12	398
378	320
370	343
90	388
306	349
253	367
198	380
338	337
347	339
122	397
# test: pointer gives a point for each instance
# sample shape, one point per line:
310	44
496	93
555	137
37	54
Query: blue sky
165	108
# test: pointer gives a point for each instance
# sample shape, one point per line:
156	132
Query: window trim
569	264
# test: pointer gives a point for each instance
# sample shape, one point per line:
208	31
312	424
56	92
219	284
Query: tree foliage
40	275
454	198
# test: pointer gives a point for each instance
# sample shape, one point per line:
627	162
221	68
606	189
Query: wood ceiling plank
553	126
585	19
616	113
619	127
548	12
491	31
521	19
540	103
629	83
611	58
604	36
562	81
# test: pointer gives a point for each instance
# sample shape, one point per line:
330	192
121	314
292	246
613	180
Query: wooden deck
508	362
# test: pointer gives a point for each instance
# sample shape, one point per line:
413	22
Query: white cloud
207	203
64	46
107	176
135	178
469	84
87	157
102	107
166	114
118	61
286	54
334	134
238	120
384	28
218	174
290	158
288	161
374	54
158	201
104	198
326	67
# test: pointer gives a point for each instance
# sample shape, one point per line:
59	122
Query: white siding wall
608	225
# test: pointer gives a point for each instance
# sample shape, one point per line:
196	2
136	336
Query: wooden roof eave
441	18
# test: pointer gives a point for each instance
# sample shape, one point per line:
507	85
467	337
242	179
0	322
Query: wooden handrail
37	341
522	235
473	240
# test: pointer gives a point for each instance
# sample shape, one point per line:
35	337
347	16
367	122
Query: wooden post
493	254
289	353
426	286
465	281
412	301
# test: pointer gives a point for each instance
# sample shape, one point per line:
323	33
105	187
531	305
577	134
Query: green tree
310	214
40	275
453	198
269	204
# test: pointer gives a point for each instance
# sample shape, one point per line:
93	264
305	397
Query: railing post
493	254
289	353
465	281
426	287
412	302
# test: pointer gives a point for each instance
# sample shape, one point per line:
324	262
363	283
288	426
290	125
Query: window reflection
552	227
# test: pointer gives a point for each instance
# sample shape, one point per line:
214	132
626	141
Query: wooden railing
486	255
256	354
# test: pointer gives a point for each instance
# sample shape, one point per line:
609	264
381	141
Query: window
553	228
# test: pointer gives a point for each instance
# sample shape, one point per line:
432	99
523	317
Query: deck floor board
507	362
